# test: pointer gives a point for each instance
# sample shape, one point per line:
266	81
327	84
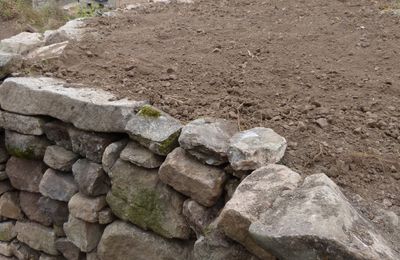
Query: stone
7	231
85	108
48	52
9	206
22	43
3	176
56	210
72	30
8	61
201	182
207	139
59	158
230	188
83	234
58	229
29	203
25	174
106	216
69	250
5	249
50	257
154	129
21	251
3	151
86	208
5	186
255	194
137	195
316	221
111	154
2	165
121	239
28	125
37	236
141	156
91	178
26	146
254	148
322	122
58	186
57	132
92	256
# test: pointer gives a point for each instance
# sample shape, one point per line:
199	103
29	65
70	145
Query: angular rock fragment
58	186
72	30
91	178
141	156
7	231
6	250
57	132
207	139
83	234
22	251
59	158
37	236
111	154
69	250
316	221
28	125
48	52
9	206
25	174
8	61
137	195
121	239
185	174
86	208
106	216
255	194
22	43
26	146
30	206
254	148
56	210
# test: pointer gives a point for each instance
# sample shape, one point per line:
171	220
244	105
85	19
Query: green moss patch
149	111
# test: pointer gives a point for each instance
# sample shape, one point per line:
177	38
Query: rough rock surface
37	236
3	152
68	249
30	206
91	178
22	251
121	239
28	125
185	174
5	186
7	231
48	52
86	208
25	174
22	43
56	210
72	30
111	154
106	216
254	148
141	156
316	221
84	235
137	195
59	158
6	250
255	194
57	185
207	139
57	132
7	62
26	146
9	206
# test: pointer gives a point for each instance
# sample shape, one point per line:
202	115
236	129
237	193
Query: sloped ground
324	74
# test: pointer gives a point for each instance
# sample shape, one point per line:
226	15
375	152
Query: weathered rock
154	129
83	234
254	148
29	203
255	194
230	188
56	210
3	175
111	154
91	178
5	186
26	146
207	139
5	250
72	30
23	252
7	231
58	186
9	206
7	62
22	43
28	125
121	239
50	257
87	109
86	208
141	156
185	174
57	132
60	158
137	195
92	256
106	216
25	174
37	236
316	221
59	230
48	52
69	250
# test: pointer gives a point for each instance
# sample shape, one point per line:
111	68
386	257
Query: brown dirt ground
279	64
9	28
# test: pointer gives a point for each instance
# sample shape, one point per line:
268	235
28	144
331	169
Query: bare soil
324	74
9	28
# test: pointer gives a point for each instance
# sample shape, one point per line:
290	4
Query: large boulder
26	146
121	239
254	148
48	52
59	158
137	195
91	178
207	139
22	43
25	174
72	30
37	236
57	185
141	156
255	195
201	182
29	125
316	221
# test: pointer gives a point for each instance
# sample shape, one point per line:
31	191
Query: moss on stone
149	111
169	144
27	153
